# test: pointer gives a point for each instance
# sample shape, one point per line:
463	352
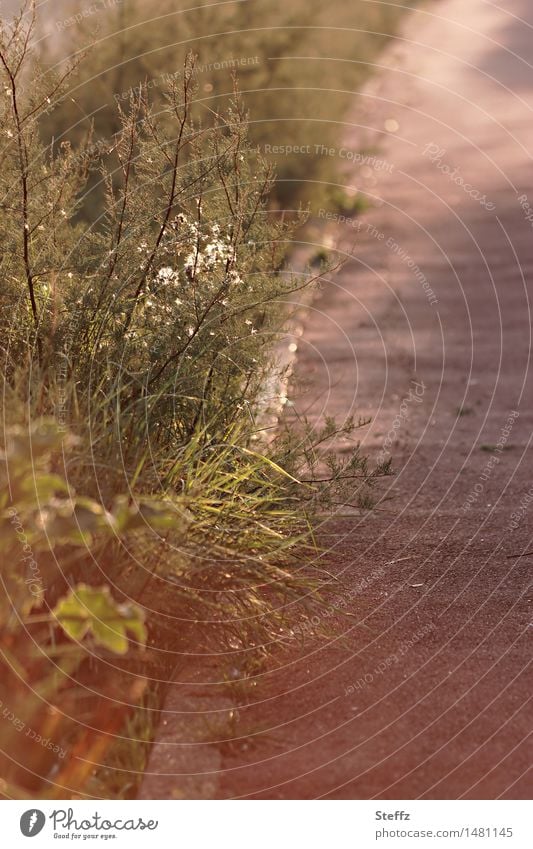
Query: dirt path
427	328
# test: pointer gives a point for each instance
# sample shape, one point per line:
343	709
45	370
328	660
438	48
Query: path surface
426	695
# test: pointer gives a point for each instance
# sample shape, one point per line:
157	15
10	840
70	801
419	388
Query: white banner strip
267	824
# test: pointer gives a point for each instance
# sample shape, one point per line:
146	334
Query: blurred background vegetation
299	65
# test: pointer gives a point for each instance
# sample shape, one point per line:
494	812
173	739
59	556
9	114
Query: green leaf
42	487
150	515
27	444
75	521
94	611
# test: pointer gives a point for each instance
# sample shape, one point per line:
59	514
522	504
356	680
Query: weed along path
422	689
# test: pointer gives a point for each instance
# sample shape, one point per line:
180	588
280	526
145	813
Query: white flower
192	261
166	275
234	277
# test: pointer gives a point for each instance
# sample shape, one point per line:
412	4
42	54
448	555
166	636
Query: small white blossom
166	275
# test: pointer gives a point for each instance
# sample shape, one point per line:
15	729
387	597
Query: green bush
135	355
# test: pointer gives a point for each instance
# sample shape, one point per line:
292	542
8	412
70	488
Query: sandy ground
424	692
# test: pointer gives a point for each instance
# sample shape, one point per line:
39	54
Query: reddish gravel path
427	694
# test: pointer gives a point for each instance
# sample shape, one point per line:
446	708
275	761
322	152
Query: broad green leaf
42	487
75	521
27	444
91	610
150	515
